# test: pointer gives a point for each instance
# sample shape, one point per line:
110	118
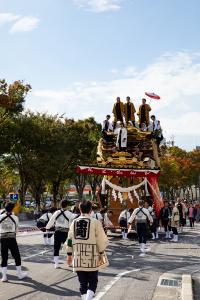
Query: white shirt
107	221
140	215
8	225
97	216
154	125
46	217
110	126
125	215
60	221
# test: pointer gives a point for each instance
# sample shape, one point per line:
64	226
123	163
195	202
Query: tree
12	98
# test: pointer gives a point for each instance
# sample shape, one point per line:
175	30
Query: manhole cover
170	282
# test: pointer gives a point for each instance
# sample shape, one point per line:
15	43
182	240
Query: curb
187	292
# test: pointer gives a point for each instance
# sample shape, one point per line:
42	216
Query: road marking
109	286
33	255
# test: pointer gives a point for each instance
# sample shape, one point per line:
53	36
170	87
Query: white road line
33	255
109	286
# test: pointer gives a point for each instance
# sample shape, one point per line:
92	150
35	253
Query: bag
41	224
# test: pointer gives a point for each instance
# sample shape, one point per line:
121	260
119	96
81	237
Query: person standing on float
129	111
143	113
118	111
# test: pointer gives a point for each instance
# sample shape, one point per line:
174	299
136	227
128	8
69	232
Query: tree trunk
80	182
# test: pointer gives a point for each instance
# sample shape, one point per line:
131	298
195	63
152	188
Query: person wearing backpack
141	216
123	221
43	221
61	219
8	228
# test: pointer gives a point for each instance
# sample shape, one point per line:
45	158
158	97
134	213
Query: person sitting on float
156	129
106	128
138	154
143	127
121	142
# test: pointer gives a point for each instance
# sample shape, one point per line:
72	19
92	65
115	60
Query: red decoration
117	172
152	95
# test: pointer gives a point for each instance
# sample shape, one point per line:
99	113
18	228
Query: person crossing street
61	219
141	216
8	229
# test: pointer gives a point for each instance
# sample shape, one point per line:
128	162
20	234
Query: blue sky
78	55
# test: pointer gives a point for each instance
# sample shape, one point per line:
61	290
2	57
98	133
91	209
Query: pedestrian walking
42	222
191	215
141	216
123	221
175	219
61	219
8	228
154	225
86	246
165	216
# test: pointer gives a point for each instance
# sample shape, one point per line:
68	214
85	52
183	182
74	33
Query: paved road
128	277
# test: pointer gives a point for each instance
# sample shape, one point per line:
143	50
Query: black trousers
123	224
191	222
9	244
153	227
142	232
165	223
88	281
174	230
59	239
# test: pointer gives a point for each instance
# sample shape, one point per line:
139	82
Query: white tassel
103	184
120	197
130	197
136	194
114	195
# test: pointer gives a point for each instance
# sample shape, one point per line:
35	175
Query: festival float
130	175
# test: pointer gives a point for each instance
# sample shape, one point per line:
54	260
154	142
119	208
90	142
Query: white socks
20	274
4	272
89	295
83	297
124	235
46	242
56	261
153	236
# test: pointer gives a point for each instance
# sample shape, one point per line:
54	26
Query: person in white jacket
8	228
121	142
61	219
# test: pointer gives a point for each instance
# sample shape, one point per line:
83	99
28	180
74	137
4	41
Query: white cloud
130	71
99	5
8	18
175	77
25	24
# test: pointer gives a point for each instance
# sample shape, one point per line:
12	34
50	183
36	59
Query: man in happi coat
86	246
129	111
118	111
143	113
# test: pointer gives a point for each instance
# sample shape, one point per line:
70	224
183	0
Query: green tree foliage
180	171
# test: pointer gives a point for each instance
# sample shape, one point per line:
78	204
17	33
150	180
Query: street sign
14	197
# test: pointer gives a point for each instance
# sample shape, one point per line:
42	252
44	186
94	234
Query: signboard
14	197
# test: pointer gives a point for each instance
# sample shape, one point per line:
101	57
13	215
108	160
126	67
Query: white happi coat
87	243
123	137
